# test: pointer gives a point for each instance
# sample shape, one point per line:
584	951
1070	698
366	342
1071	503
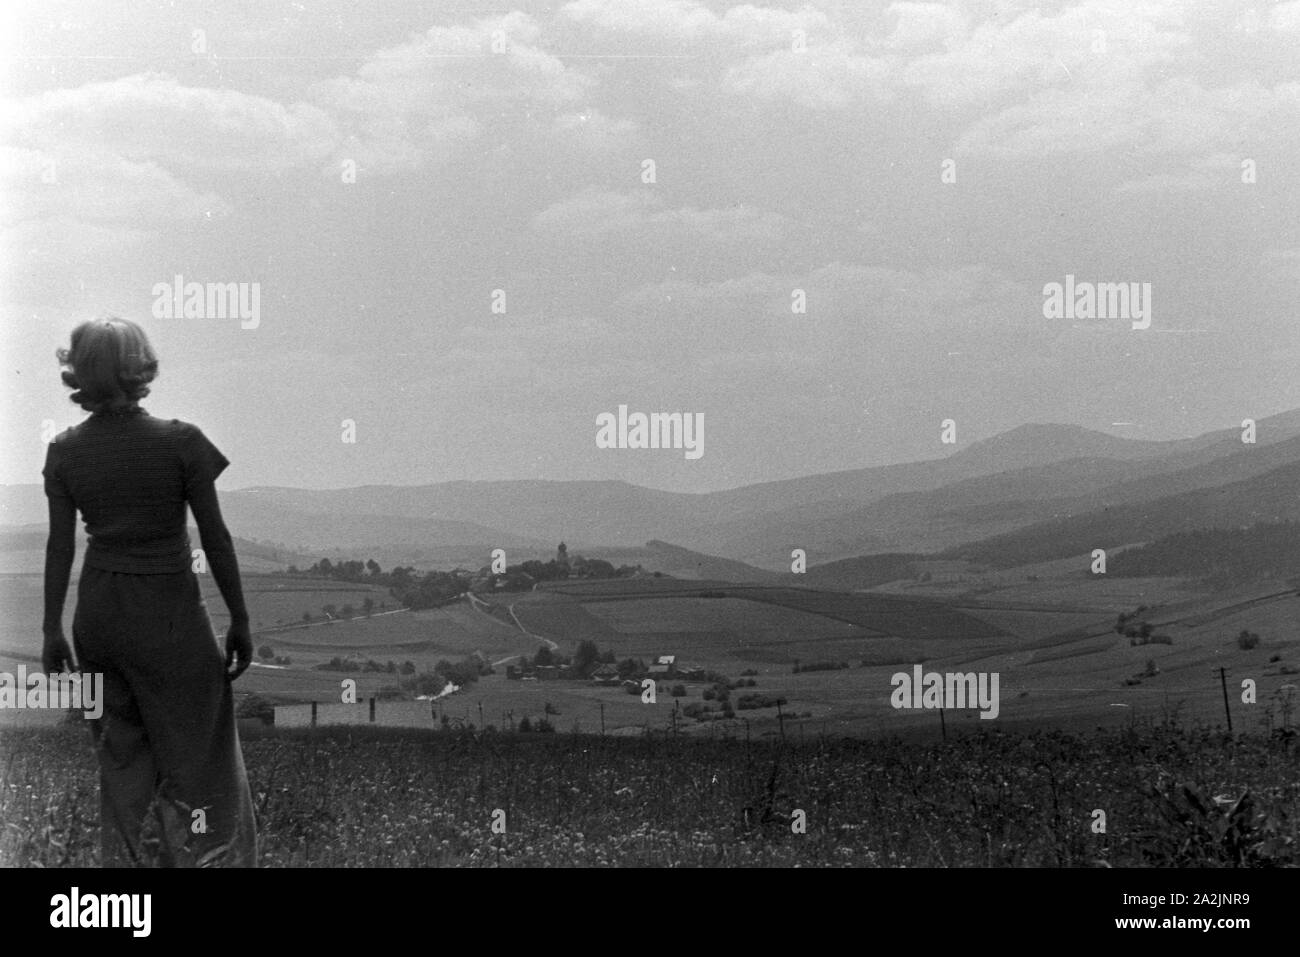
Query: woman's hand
56	656
239	650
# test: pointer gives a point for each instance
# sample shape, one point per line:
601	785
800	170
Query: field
1060	662
1086	721
1171	796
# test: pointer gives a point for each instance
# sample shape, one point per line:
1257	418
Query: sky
474	228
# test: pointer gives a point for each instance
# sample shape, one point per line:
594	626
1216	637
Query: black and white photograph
650	434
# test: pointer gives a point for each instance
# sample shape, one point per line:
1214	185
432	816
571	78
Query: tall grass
343	797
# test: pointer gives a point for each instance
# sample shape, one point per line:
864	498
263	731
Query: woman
173	787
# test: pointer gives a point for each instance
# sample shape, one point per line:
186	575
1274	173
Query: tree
372	566
368	605
544	656
586	658
331	610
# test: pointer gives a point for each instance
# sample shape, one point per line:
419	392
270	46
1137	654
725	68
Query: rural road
482	606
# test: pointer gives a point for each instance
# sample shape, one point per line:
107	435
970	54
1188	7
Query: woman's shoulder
177	427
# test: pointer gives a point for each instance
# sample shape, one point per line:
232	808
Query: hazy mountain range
1034	493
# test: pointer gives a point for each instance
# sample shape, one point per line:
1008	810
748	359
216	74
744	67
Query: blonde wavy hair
109	365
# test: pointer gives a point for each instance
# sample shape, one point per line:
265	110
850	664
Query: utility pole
1223	678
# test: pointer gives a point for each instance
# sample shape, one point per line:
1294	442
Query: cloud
595	212
151	117
1177	115
690	22
95	187
595	131
830	76
1285	17
415	103
1216	170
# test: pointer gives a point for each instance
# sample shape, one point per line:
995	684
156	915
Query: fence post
372	710
1223	678
313	714
602	718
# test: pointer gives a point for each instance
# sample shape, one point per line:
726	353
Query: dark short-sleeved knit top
130	475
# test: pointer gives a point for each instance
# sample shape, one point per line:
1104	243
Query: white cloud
594	212
688	21
1285	17
96	187
414	103
151	117
1178	115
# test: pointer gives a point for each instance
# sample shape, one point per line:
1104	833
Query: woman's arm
60	549
219	551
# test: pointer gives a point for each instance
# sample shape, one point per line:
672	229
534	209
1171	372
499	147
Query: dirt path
481	606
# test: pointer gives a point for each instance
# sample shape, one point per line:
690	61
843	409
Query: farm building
663	665
605	675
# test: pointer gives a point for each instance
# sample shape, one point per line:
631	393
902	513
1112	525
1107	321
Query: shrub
1247	640
820	666
1150	640
679	690
525	725
551	709
749	702
266	652
426	683
256	707
709	694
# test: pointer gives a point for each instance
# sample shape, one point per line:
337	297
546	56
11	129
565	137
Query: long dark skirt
173	790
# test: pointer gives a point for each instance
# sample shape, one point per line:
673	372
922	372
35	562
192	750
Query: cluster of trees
369	666
459	673
524	575
1219	557
411	588
586	658
819	666
433	588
